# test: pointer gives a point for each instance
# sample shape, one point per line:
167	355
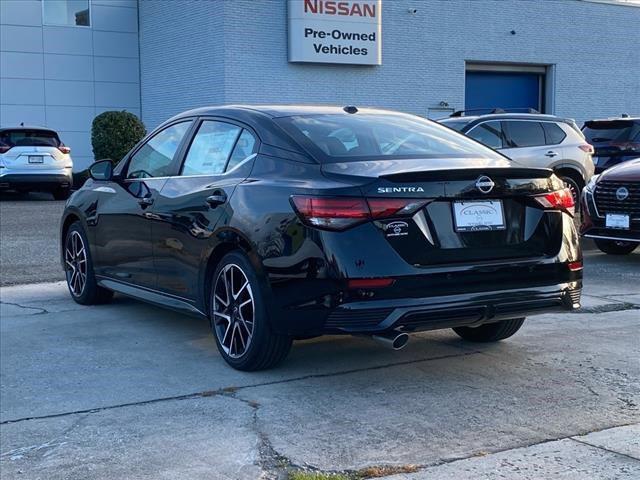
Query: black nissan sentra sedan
278	223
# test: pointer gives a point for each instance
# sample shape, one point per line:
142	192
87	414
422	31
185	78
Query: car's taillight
64	149
4	148
558	200
340	213
587	148
575	266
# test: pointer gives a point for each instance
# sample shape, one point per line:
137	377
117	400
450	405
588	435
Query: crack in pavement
41	311
357	474
227	390
605	448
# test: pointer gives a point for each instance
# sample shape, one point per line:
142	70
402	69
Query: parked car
35	159
611	209
533	140
285	222
615	140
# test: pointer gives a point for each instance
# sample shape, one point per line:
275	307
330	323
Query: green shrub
113	134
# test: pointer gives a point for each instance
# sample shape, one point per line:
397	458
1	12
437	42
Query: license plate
478	216
617	220
36	159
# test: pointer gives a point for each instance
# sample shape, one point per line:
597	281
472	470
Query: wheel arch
569	170
68	220
229	241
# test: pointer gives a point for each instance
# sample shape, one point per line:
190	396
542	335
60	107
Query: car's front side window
154	158
524	134
488	133
210	149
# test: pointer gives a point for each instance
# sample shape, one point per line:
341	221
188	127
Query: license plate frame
617	221
488	215
37	159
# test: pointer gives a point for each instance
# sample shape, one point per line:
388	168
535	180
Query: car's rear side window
210	148
245	147
524	134
554	135
344	138
29	138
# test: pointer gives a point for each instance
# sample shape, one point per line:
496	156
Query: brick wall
197	53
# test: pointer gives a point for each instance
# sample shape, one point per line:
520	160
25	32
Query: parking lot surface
127	390
29	238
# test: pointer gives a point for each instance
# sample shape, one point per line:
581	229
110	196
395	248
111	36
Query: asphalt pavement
29	232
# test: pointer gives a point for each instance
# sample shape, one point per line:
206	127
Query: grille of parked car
608	197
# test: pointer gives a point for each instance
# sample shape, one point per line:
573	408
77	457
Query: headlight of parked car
591	186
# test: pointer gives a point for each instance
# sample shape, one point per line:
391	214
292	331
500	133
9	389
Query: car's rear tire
78	268
615	247
239	318
490	332
61	193
575	186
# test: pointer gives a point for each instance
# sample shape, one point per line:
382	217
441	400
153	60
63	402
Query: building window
66	12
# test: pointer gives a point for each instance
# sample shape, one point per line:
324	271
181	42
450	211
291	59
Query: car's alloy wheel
75	259
233	311
575	190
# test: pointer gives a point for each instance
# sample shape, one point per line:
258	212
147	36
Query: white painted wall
61	77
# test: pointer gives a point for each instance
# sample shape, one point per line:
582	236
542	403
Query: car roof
27	127
508	116
275	111
614	119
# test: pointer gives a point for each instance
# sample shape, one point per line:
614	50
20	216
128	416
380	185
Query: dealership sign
325	31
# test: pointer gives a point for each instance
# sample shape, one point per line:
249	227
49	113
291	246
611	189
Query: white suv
534	140
34	158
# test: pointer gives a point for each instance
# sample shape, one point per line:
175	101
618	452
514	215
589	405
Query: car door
122	214
525	143
191	204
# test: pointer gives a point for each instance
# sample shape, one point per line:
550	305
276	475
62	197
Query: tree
113	134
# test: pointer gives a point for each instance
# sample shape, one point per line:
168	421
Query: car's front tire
78	268
490	332
239	318
615	247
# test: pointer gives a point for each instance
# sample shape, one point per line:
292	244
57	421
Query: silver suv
34	158
534	140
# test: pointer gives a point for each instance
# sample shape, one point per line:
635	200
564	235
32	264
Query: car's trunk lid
439	232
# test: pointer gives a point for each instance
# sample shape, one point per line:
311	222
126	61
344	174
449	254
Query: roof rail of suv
461	113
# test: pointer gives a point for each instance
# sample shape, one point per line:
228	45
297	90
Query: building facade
156	58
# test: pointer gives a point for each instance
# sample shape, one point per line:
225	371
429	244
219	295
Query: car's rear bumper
432	313
11	181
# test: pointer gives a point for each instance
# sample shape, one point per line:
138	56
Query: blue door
488	90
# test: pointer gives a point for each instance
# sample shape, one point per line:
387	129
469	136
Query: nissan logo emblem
485	184
622	193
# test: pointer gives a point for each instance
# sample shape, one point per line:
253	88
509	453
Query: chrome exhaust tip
393	340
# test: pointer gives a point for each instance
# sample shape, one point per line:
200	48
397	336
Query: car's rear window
344	138
29	138
609	130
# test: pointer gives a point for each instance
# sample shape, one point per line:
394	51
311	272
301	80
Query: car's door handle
551	154
217	199
145	202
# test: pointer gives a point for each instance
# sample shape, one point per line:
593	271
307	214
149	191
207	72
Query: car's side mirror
102	170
